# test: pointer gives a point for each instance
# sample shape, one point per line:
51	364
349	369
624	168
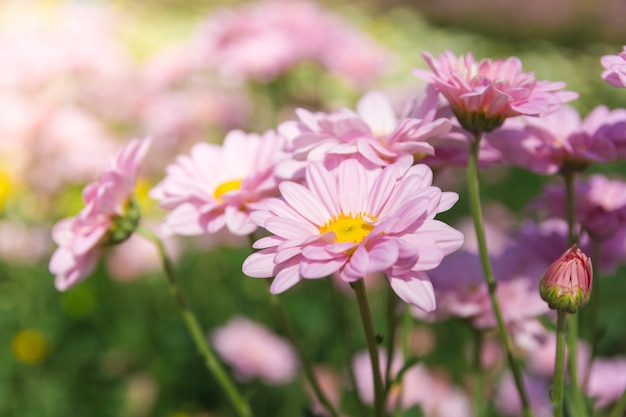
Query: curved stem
559	364
238	402
572	333
475	207
372	346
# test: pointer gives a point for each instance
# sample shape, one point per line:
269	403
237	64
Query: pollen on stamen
349	228
225	187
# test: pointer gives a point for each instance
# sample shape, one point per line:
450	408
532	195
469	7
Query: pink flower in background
253	351
607	381
356	221
373	133
261	41
599	205
508	402
218	186
433	392
109	216
615	69
483	94
561	139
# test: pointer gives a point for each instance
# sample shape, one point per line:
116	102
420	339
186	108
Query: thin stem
475	207
479	375
572	334
559	364
620	407
238	402
370	336
344	332
306	364
594	306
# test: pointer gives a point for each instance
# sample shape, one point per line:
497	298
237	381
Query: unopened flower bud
566	284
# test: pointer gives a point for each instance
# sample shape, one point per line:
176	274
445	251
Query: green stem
306	364
344	330
572	333
372	346
620	407
475	207
559	364
479	375
238	402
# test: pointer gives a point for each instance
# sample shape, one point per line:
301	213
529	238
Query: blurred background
79	79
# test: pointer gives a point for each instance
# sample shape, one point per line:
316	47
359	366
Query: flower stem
372	346
238	402
475	207
392	316
306	364
559	364
572	333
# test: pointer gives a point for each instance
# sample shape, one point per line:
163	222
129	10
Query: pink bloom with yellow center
373	132
615	69
483	94
217	186
354	221
109	217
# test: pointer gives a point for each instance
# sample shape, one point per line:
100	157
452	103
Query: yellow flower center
349	228
29	347
225	187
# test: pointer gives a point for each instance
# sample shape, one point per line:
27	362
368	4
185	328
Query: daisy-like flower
354	221
615	69
483	94
109	217
373	132
217	186
560	140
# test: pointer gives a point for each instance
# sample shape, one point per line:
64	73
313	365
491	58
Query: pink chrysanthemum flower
353	221
615	69
217	186
599	205
373	132
255	352
483	94
109	217
560	140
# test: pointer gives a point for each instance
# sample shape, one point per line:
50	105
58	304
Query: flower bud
566	284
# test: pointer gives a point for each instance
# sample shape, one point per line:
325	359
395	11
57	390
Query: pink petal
416	290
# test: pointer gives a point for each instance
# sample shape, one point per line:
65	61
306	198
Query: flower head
255	352
566	284
373	133
615	69
558	141
355	221
109	217
483	94
217	186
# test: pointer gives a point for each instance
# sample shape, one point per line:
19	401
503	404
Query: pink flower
217	186
255	352
607	380
373	133
566	284
483	94
355	221
109	217
615	69
559	140
599	205
433	392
